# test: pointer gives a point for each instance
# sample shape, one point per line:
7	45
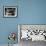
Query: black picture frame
10	11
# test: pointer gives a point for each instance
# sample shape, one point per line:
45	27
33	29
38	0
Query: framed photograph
10	11
33	32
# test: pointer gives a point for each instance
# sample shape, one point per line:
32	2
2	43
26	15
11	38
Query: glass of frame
34	32
10	11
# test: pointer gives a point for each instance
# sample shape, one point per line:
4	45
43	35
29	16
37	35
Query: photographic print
32	32
10	11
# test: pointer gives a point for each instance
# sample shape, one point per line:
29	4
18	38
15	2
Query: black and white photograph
10	11
30	34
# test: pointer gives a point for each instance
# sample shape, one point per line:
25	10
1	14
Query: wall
29	12
7	25
32	11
